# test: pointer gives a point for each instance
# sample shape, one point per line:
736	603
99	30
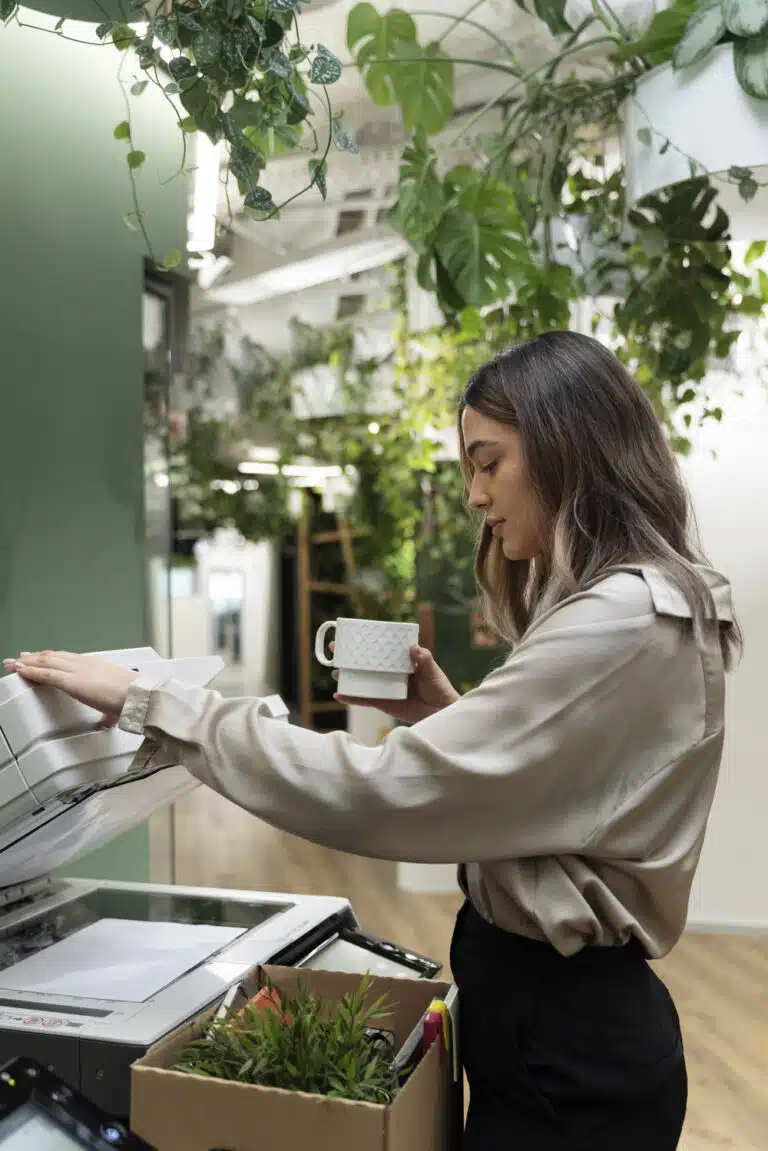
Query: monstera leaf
423	84
397	69
375	39
421	202
480	242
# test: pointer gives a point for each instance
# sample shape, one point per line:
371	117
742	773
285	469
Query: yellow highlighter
437	1027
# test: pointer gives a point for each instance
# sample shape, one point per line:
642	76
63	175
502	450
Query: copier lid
66	784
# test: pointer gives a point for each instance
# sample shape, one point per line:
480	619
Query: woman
576	780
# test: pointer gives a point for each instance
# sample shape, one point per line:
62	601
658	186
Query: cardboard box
177	1112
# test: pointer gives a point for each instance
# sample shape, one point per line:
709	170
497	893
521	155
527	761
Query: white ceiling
360	187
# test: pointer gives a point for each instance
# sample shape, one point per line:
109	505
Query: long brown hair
605	475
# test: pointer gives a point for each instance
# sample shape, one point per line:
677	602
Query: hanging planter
699	120
87	11
237	72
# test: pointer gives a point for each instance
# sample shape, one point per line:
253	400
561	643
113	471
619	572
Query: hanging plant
541	222
235	70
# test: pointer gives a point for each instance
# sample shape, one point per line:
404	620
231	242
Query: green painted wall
71	524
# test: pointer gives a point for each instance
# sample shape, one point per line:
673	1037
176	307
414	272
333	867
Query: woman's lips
496	529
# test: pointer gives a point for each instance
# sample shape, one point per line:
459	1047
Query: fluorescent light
313	471
327	266
201	224
258	468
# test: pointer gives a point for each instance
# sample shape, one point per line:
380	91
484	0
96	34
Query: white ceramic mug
372	656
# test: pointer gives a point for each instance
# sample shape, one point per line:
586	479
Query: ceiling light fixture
324	267
201	223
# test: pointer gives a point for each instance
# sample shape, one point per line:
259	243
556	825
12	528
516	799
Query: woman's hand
94	682
429	690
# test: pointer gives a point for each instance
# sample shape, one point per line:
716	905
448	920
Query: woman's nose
477	497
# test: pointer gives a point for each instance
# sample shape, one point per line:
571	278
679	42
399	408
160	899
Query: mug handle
322	632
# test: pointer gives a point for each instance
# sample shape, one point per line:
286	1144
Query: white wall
730	496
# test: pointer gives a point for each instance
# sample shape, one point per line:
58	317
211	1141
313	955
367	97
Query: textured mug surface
372	656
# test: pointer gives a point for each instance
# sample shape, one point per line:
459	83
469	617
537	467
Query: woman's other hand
91	681
429	691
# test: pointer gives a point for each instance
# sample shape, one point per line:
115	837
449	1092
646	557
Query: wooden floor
720	982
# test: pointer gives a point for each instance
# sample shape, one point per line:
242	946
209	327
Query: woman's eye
490	468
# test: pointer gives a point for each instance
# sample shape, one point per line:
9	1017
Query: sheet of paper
121	959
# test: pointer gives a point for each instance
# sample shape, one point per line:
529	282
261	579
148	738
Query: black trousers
578	1054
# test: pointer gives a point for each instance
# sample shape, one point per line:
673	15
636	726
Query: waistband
522	947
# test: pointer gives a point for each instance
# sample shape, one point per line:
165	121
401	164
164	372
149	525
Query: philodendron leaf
342	137
703	31
750	59
326	68
139	87
135	159
260	200
124	37
755	251
658	42
123	131
552	12
318	171
170	260
745	17
181	68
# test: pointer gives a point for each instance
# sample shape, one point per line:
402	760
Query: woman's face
500	487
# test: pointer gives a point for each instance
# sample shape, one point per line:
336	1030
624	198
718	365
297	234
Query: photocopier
94	972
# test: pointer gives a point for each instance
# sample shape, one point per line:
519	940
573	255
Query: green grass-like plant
310	1044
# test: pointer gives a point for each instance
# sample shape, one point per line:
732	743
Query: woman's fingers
52	676
56	660
61	660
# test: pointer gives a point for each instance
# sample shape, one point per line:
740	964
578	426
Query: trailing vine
235	70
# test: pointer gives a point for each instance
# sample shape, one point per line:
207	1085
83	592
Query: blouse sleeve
528	763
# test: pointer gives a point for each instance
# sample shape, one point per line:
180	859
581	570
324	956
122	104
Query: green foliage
243	77
665	31
688	31
311	1045
384	466
397	69
538	226
703	31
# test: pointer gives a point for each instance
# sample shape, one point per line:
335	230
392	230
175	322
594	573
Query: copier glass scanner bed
93	973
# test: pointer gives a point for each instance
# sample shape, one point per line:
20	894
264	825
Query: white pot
91	11
705	113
